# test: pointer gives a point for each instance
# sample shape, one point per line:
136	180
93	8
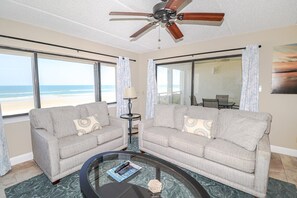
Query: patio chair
223	99
211	103
193	101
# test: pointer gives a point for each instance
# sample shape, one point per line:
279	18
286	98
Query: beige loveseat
57	148
224	157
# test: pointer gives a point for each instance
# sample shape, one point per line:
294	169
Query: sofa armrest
46	151
144	124
263	154
120	123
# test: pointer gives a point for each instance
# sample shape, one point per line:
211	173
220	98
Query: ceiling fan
165	13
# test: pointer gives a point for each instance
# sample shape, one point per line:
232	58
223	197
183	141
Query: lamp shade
130	93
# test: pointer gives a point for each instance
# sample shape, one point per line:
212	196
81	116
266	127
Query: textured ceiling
89	19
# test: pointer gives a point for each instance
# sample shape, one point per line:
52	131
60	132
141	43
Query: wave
17	92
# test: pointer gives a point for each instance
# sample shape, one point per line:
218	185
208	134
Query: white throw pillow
197	126
244	131
87	125
164	115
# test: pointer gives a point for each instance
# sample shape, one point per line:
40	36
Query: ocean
8	93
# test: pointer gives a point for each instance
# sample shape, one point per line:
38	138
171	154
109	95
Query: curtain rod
210	52
52	54
61	46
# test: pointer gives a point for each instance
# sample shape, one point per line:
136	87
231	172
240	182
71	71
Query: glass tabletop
175	182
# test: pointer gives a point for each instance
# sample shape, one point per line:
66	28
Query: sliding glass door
220	76
174	83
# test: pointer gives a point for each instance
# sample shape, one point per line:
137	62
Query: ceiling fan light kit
165	13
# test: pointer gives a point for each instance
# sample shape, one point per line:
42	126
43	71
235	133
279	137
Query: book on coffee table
123	171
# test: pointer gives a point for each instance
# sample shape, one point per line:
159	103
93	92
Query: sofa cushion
101	109
107	134
82	110
164	115
205	114
179	113
241	129
226	116
87	125
158	135
62	118
230	154
197	126
245	132
73	145
189	143
41	119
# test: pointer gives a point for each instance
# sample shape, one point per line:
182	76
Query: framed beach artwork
284	69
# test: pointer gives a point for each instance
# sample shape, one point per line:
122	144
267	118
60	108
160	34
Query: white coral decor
155	186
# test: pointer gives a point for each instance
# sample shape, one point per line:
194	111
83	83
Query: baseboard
283	150
21	158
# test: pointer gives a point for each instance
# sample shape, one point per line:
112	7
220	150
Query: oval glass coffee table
95	182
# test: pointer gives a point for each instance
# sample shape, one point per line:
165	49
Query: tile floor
282	167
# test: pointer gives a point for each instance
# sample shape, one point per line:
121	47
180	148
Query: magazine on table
123	171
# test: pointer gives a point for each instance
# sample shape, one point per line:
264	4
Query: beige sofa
218	158
57	148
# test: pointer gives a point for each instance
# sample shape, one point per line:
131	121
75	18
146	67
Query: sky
16	70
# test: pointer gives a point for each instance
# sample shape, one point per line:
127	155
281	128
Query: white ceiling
89	19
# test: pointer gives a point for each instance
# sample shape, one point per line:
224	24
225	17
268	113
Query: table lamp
130	94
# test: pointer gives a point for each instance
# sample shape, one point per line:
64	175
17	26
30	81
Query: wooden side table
131	117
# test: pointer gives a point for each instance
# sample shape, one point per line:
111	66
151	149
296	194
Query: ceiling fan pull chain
159	38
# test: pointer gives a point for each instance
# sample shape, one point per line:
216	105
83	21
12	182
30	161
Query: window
108	82
61	81
174	83
16	88
65	82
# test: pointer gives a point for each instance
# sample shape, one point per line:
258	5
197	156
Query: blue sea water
16	92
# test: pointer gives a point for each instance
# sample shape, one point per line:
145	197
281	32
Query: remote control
118	169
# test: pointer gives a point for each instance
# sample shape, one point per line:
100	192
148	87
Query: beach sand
25	105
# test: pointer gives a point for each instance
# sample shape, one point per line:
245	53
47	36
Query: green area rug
40	186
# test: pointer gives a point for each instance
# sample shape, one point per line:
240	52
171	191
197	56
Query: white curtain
5	165
123	81
250	79
151	93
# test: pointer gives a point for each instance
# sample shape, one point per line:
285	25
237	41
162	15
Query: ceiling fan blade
174	30
132	14
201	16
142	30
174	4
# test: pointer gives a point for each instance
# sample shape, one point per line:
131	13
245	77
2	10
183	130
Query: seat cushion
107	134
230	154
189	143
158	135
73	145
62	118
99	108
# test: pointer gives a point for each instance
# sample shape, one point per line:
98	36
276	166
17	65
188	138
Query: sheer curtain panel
5	165
123	81
151	91
250	79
